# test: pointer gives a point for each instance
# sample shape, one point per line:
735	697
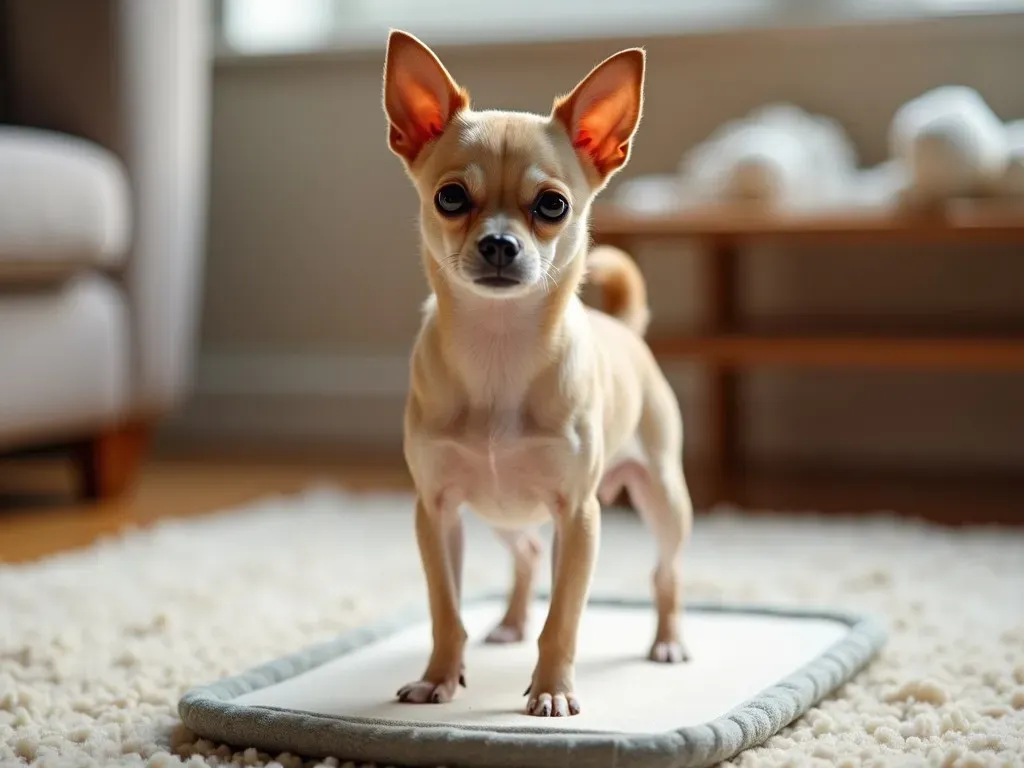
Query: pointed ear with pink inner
420	97
603	111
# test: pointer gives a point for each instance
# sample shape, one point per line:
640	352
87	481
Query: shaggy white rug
97	646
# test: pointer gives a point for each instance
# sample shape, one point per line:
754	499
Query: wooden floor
39	514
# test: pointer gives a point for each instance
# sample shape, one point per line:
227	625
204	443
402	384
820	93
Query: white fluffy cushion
64	204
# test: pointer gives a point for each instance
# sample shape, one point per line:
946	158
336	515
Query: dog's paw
553	705
430	692
668	652
506	633
552	695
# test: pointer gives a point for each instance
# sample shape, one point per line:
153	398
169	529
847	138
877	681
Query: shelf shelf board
971	222
739	350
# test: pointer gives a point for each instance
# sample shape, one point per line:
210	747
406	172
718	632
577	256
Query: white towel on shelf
1012	184
952	145
777	155
945	143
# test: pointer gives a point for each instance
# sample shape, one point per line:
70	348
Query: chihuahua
525	404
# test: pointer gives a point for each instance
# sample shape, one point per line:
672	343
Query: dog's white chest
509	478
489	453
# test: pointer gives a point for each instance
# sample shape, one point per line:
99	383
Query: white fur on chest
495	460
495	352
511	480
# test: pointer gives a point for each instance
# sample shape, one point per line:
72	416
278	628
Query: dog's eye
452	200
551	206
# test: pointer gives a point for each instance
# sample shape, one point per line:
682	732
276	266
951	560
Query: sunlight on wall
257	25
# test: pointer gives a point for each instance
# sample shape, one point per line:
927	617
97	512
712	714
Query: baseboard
314	398
296	374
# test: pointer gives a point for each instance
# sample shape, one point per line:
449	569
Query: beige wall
313	285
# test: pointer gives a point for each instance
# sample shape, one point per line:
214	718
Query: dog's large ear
603	111
420	97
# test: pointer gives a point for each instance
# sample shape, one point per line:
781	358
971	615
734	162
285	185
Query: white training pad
734	657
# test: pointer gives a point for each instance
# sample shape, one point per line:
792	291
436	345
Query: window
287	26
275	25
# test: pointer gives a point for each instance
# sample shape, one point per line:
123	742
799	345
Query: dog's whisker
449	265
552	275
551	266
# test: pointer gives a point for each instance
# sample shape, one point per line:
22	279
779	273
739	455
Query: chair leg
109	462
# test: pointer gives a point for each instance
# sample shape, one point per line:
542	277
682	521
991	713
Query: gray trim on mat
210	712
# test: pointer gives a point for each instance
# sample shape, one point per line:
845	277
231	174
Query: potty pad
753	670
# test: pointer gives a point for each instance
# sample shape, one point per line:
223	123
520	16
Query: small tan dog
525	405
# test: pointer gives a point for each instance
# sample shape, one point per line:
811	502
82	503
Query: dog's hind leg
525	547
658	491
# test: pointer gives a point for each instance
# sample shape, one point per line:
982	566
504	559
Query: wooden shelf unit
724	348
970	223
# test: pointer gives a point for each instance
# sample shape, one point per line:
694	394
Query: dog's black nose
499	250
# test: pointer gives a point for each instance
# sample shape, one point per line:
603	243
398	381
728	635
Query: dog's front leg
439	534
552	690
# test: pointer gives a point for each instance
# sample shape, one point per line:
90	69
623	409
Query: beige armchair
103	159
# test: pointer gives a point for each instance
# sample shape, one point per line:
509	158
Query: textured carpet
96	647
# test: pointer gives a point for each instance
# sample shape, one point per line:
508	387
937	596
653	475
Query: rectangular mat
753	671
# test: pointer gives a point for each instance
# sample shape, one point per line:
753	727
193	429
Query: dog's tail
623	289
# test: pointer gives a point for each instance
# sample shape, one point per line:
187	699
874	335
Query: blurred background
209	271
